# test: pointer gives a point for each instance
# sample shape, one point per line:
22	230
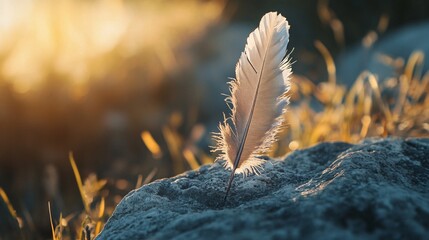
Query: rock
358	16
378	189
399	44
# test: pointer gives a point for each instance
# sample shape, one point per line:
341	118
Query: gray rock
378	189
219	52
400	44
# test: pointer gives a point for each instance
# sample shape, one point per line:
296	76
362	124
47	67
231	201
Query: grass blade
78	181
151	144
190	158
52	223
100	215
12	211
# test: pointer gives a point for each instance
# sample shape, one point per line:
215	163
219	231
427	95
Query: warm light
151	144
122	184
79	41
190	158
366	121
293	145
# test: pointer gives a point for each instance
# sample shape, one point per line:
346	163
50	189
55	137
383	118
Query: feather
258	98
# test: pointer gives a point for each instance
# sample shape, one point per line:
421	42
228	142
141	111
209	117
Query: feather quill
258	98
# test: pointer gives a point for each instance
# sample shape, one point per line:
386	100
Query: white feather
257	97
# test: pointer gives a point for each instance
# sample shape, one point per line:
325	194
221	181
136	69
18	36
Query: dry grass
88	223
397	107
79	68
348	115
370	108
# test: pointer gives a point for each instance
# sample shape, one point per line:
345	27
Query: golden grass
70	47
79	182
54	237
190	158
350	115
5	199
88	223
100	224
151	144
359	112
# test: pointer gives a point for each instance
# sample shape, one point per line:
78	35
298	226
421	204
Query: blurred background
133	90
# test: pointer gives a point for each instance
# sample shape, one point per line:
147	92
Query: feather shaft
246	131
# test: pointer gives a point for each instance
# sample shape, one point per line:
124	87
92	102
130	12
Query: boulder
378	189
400	44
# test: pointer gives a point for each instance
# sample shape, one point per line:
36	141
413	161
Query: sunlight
78	41
151	144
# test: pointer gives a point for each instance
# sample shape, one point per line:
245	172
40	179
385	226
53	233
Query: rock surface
378	189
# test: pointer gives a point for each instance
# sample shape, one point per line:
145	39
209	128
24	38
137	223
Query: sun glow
79	41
